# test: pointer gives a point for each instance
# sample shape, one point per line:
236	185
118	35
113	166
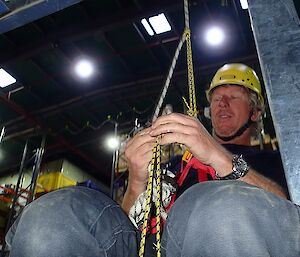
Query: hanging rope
154	164
192	106
154	182
168	80
186	14
2	134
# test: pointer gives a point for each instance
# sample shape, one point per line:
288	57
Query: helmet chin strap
239	132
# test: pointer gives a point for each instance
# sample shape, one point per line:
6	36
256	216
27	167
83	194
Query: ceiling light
160	23
244	4
6	79
112	143
147	27
84	68
215	36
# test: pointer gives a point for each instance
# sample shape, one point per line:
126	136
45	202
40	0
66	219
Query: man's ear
256	114
207	112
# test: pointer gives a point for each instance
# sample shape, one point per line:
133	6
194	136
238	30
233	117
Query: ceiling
77	115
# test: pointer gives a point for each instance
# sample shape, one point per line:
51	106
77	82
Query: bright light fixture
6	79
244	4
215	36
84	68
112	143
147	27
160	23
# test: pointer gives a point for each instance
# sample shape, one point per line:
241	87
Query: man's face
230	109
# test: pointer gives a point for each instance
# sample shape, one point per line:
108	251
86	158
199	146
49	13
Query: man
243	213
236	105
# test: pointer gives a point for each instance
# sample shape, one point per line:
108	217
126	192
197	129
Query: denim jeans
211	219
232	219
76	221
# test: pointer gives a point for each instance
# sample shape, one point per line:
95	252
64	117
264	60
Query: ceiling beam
31	12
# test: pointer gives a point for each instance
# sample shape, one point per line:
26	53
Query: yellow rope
158	201
155	162
192	106
149	196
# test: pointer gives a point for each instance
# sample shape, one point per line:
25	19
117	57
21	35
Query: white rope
168	80
2	134
174	61
186	14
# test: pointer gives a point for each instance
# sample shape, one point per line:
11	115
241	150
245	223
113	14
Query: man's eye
216	99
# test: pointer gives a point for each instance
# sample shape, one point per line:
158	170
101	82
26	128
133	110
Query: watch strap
239	169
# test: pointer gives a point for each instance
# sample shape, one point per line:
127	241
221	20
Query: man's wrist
239	169
134	189
223	164
136	186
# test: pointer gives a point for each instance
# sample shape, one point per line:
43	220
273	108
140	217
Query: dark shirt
266	162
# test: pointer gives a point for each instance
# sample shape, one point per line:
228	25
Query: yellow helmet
236	74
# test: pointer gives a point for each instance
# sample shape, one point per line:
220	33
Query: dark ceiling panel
25	34
6	113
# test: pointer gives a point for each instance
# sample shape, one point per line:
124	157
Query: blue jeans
76	221
211	219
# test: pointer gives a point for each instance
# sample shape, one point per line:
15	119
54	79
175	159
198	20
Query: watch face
240	165
239	168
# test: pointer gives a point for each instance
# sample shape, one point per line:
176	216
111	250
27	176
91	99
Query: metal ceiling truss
30	11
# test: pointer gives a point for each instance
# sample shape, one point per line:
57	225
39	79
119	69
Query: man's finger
174	118
140	138
172	128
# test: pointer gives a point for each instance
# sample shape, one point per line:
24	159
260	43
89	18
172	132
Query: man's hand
138	153
189	131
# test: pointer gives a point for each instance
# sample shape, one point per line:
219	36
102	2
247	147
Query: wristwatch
239	168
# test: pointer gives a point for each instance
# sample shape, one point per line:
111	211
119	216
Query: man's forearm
223	166
256	179
131	194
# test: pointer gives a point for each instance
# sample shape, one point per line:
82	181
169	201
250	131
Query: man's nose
224	101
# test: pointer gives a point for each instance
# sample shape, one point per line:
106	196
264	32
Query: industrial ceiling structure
40	42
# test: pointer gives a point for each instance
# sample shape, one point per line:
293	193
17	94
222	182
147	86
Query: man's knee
223	214
216	196
211	203
73	202
66	216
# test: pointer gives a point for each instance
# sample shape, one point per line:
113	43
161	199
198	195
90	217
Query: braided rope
148	201
156	158
186	14
158	201
192	108
2	134
168	80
